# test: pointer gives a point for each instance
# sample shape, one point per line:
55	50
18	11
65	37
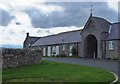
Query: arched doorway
90	47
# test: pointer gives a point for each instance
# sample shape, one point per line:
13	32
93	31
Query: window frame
53	50
110	45
63	47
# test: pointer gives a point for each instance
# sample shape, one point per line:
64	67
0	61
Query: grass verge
47	71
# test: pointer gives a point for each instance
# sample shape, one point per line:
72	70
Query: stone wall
20	57
113	54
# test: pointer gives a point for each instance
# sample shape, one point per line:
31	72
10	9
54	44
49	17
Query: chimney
27	34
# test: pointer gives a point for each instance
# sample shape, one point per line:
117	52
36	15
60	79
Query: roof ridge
34	36
70	31
49	35
101	19
61	33
116	23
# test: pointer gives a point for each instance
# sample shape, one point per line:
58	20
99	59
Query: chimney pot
27	34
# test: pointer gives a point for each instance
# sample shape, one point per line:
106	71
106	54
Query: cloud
57	30
74	14
33	8
113	5
46	18
103	10
6	17
15	35
71	16
22	18
55	14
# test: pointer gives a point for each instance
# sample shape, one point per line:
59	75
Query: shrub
74	51
108	58
58	55
115	58
62	55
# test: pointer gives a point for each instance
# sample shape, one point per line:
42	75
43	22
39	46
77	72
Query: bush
108	58
62	55
58	55
74	51
115	58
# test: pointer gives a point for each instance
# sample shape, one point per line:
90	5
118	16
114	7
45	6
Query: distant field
56	72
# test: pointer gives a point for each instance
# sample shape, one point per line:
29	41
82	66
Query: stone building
29	40
58	44
98	39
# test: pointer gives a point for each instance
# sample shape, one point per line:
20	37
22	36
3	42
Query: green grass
47	71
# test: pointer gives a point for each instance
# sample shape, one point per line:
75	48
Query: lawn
47	71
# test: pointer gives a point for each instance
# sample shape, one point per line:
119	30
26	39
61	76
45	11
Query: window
53	50
111	45
71	46
63	47
70	49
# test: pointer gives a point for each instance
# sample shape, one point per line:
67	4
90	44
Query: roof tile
66	37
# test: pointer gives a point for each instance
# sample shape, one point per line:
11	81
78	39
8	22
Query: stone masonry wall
113	54
12	58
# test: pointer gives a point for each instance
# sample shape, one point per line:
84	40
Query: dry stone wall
12	58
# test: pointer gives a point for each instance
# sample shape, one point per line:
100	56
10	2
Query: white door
44	51
57	50
49	51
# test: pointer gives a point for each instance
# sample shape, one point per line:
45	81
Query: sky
42	17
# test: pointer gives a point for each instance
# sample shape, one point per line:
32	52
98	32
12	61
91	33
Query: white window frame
49	51
44	51
110	45
53	51
70	47
63	47
57	50
70	50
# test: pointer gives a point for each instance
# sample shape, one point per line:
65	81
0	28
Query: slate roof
65	37
102	23
105	25
33	39
115	32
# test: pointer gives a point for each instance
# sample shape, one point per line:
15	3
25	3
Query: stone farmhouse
29	41
98	39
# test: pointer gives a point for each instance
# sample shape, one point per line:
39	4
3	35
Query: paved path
110	65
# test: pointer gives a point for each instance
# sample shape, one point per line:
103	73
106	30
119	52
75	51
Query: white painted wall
57	50
44	51
70	50
49	51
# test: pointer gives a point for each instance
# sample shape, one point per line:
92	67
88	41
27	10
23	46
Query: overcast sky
41	18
